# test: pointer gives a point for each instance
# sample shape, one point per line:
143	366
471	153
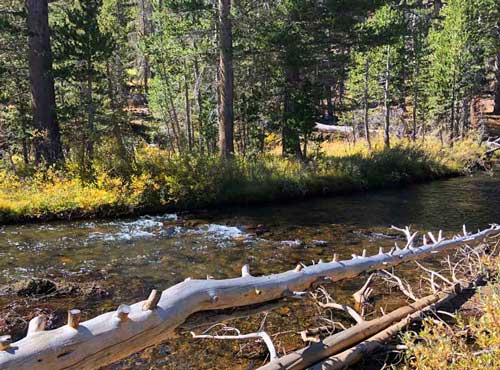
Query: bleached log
339	342
37	325
333	128
376	342
108	338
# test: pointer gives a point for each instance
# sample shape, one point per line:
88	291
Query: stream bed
101	264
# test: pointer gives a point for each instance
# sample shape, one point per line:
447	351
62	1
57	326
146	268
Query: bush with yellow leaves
472	343
160	179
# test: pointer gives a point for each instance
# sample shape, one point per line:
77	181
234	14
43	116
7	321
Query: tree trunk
415	102
289	135
387	108
188	113
48	144
453	103
496	109
199	98
146	14
452	119
90	120
366	106
438	4
225	80
465	117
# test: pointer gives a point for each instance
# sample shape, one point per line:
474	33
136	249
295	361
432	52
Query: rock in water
37	288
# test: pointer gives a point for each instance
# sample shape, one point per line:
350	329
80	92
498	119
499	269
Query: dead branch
114	335
261	335
404	287
362	296
342	307
304	358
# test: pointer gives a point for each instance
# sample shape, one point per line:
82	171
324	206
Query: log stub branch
74	317
103	340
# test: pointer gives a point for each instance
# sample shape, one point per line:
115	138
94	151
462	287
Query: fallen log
330	129
376	342
115	335
336	343
373	344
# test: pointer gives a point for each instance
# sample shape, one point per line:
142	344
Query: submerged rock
320	243
38	288
292	243
258	230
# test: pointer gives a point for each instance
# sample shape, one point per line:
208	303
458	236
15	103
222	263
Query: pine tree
82	49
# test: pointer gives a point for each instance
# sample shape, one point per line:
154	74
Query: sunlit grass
160	179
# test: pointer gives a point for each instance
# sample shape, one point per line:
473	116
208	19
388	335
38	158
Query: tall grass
161	180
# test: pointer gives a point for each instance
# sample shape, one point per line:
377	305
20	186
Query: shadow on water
126	258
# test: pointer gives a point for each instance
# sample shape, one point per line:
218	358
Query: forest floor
161	182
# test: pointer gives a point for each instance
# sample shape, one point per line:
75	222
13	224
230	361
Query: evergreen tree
82	49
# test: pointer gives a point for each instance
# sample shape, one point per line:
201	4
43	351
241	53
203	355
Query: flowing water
120	261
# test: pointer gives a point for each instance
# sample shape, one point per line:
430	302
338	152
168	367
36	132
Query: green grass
162	181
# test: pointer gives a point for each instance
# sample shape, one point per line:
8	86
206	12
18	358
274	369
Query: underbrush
161	180
472	342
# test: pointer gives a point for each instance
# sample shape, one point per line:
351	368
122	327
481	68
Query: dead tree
114	335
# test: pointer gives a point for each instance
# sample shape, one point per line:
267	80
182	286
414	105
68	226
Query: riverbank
162	182
470	340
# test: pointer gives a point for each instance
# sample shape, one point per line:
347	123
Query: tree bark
465	117
415	102
48	144
146	14
91	116
199	98
496	109
290	136
226	81
366	105
188	113
387	108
